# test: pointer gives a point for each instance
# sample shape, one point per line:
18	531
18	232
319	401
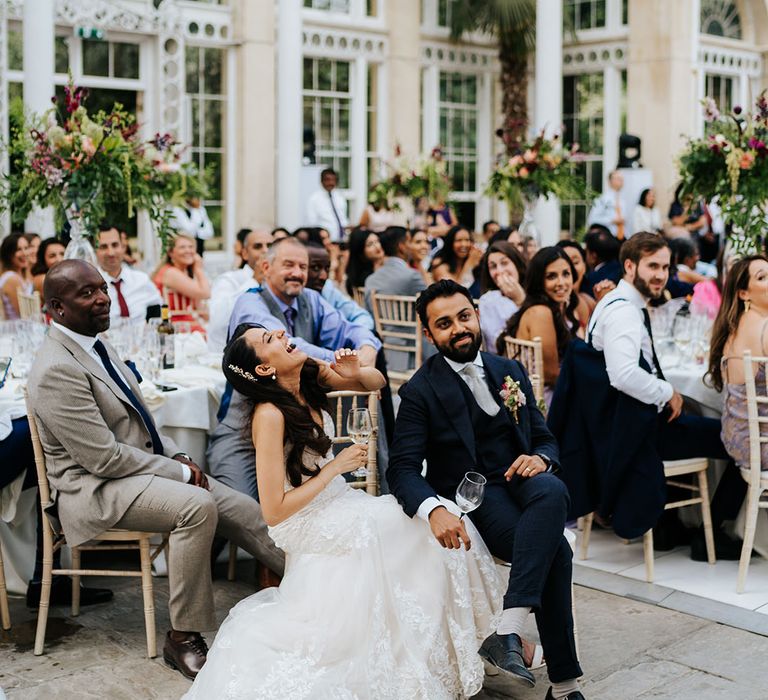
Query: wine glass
359	427
5	364
470	492
682	336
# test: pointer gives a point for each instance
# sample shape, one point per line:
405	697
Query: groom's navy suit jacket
434	422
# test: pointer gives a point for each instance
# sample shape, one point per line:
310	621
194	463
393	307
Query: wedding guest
238	247
530	246
452	415
327	208
579	260
620	328
109	467
418	255
708	295
502	271
50	252
376	218
548	312
316	328
685	258
33	240
182	281
279	233
14	268
365	256
490	229
602	252
132	294
394	276
441	219
228	286
646	215
192	220
458	258
128	256
741	326
607	208
514	237
677	217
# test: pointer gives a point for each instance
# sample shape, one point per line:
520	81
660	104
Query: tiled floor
675	570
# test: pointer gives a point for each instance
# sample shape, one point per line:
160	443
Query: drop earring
747	304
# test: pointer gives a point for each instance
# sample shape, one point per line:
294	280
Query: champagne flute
359	427
470	492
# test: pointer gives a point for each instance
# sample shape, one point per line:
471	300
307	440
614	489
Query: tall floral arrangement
536	169
729	165
89	166
426	176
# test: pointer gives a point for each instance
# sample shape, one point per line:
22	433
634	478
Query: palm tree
513	24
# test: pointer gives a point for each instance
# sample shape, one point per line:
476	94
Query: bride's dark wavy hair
301	430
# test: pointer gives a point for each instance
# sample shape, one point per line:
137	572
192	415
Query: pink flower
88	146
523	172
529	156
747	160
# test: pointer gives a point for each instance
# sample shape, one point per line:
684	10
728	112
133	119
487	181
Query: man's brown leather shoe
266	578
186	656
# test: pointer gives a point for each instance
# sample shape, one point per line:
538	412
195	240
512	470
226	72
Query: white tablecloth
688	378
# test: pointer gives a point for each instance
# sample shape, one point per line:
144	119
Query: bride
371	606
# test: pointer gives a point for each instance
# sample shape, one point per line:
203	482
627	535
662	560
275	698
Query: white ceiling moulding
342	44
715	59
594	57
453	57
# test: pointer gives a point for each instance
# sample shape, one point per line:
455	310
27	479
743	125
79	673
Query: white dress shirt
429	504
320	212
138	290
618	330
645	219
192	221
87	343
224	292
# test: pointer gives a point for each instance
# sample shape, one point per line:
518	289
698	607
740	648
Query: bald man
108	466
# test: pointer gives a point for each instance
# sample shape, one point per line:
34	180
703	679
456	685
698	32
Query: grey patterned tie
479	388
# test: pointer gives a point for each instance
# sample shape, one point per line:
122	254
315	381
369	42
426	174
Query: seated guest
513	236
490	229
50	252
14	268
182	280
318	279
279	233
240	237
419	255
33	245
394	276
530	246
365	256
676	286
110	468
685	258
602	251
646	215
579	260
502	271
131	291
458	257
658	429
128	256
548	312
230	285
282	303
678	215
708	295
740	326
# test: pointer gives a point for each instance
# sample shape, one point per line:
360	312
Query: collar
394	260
283	306
458	367
86	342
109	277
630	293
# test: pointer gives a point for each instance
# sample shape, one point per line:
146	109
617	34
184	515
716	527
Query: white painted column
38	36
612	121
548	99
358	128
485	119
289	123
431	111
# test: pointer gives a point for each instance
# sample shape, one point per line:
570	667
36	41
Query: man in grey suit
109	467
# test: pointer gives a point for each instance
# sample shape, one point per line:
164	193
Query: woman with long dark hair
579	260
741	325
368	607
365	256
50	252
14	273
549	309
457	258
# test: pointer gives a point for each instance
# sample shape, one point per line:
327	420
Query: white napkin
153	397
194	346
196	376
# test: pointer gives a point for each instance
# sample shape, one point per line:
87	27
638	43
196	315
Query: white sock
564	689
513	620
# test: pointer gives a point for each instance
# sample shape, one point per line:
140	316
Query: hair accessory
243	373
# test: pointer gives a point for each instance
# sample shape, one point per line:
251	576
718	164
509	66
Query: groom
452	415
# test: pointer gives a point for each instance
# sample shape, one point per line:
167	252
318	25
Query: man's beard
466	354
642	286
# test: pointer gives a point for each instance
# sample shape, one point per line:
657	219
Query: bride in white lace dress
371	606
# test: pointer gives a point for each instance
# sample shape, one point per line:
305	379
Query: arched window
720	18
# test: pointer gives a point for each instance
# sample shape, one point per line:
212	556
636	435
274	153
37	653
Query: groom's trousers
522	523
193	515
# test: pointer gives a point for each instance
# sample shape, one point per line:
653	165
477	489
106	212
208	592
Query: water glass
359	427
470	492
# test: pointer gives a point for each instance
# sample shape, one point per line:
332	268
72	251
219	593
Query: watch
550	464
188	458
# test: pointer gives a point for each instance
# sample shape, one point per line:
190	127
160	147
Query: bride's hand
347	364
351	458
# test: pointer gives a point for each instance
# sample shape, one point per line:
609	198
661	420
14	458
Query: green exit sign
89	33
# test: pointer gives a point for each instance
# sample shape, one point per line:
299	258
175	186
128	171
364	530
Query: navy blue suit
521	521
610	271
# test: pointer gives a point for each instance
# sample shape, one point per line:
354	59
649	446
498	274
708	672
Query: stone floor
630	649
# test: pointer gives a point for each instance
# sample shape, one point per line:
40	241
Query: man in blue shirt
283	303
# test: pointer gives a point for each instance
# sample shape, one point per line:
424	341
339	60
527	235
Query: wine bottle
165	331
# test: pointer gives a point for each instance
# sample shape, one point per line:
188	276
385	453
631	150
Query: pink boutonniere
512	396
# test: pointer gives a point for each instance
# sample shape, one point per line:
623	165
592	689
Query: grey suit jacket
394	277
98	451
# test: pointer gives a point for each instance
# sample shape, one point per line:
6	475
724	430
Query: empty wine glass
359	427
470	492
682	336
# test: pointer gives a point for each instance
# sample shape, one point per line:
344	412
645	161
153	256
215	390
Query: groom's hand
526	466
448	529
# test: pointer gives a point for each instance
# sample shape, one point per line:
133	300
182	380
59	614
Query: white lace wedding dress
370	607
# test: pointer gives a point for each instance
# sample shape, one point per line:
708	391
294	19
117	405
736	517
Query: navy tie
290	320
656	363
101	350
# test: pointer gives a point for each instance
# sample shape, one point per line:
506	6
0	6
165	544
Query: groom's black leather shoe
505	652
576	695
187	655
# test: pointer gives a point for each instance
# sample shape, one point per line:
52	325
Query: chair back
755	398
398	324
341	400
30	306
37	447
529	353
358	296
